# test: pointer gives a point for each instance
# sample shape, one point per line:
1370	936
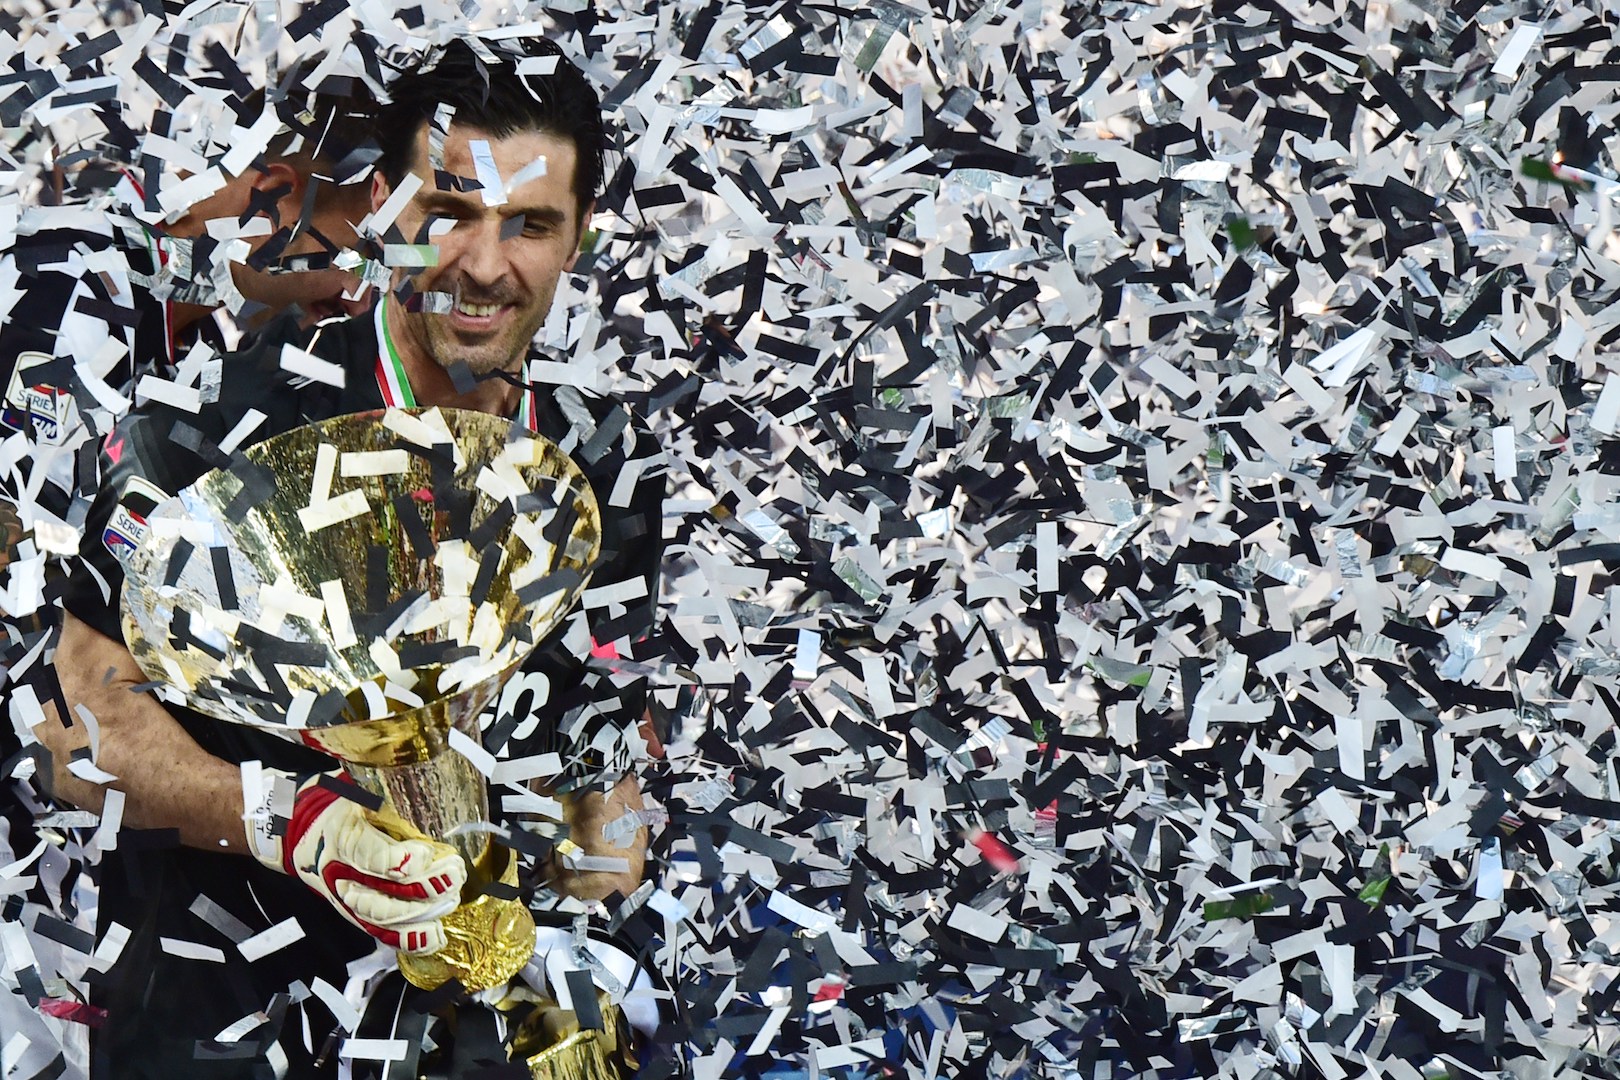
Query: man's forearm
12	535
168	781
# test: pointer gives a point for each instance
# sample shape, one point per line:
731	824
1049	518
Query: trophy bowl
365	586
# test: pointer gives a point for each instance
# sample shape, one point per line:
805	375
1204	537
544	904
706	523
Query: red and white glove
398	891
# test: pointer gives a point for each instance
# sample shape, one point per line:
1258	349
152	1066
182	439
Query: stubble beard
482	359
505	352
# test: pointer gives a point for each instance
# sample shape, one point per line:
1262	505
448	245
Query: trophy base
488	939
487	942
570	1052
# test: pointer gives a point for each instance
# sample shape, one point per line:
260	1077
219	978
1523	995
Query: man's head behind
497	99
327	137
331	128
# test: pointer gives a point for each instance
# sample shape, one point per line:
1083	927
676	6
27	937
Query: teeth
478	311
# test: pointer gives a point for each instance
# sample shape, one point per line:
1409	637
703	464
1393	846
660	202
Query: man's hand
398	891
12	533
587	814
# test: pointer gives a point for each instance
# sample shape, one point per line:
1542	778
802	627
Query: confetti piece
374	463
380	220
152	388
299	362
270	940
243	430
996	853
338	614
979	924
1606	413
412	428
373	1049
1504	455
112	817
318	516
191	950
519	770
1516	49
534	170
76	1012
1488	883
807	657
481	759
862	1052
492	189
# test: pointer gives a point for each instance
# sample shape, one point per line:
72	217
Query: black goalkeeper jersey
81	326
161	1004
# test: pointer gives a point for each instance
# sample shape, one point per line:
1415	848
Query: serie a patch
127	525
39	408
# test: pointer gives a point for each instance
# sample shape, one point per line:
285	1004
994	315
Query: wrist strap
264	793
273	800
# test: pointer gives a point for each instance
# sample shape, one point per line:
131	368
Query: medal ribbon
395	385
391	378
160	259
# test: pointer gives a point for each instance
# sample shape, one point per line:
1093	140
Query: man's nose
482	257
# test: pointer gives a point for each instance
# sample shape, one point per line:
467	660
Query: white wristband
267	797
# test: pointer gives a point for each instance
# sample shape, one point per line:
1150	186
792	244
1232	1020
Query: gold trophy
365	586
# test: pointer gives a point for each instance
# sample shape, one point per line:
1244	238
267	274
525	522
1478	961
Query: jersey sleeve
154	452
151	454
37	376
29	329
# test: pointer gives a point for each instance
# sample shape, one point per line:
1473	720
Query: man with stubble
457	333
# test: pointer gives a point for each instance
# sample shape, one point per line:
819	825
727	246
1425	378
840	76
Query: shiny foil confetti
1137	599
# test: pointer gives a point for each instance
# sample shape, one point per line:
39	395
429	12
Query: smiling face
502	288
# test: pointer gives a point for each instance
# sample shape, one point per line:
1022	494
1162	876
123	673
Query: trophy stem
438	798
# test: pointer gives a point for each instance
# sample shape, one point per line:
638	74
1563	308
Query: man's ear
279	186
380	190
579	238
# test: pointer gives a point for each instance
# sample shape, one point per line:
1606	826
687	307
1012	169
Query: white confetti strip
1517	48
191	950
374	463
309	366
374	1049
272	939
340	508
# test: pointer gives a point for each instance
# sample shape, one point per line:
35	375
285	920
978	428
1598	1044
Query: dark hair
333	125
490	95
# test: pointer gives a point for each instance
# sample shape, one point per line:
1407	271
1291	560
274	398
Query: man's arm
634	528
12	532
168	781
